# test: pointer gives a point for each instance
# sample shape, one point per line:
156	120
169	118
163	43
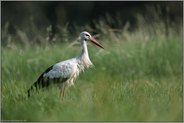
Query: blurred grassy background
43	22
138	77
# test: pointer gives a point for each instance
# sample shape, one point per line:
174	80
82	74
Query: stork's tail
44	83
33	87
40	83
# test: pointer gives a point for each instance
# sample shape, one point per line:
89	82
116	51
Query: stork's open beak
93	40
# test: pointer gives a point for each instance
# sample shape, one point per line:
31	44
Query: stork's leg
62	92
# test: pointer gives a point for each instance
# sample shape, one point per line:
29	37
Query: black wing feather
44	82
40	83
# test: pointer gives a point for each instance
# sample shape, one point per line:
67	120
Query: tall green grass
133	80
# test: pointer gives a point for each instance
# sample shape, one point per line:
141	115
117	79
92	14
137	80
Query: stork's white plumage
65	73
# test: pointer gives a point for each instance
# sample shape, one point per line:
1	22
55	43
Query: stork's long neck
84	57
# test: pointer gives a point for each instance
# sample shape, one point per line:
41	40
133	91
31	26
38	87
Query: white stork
65	72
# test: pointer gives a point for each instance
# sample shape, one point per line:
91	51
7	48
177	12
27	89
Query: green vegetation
138	77
133	80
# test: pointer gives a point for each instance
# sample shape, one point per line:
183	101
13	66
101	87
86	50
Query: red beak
94	41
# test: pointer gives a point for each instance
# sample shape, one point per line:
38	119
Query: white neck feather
84	60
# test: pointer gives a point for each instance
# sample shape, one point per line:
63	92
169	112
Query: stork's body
65	73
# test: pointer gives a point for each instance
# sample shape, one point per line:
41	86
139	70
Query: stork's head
85	36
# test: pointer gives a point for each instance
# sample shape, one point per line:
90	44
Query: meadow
133	80
137	77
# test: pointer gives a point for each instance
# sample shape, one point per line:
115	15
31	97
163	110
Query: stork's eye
87	35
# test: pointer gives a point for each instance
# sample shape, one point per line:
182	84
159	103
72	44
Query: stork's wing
61	70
